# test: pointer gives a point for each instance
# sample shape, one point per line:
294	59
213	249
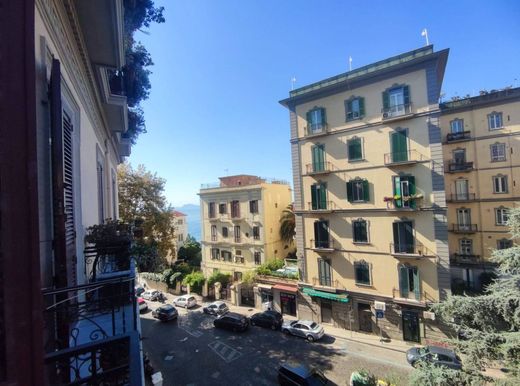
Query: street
190	351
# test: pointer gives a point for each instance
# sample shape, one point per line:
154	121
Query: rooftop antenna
350	63
293	81
425	34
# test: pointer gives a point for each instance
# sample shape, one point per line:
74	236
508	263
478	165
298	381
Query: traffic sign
380	314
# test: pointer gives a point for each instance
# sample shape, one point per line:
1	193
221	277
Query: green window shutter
323	196
411	184
363	231
314	197
356	230
406	95
403	281
386	100
349	192
416	284
323	116
309	120
366	192
316	233
348	110
354	149
318	158
362	107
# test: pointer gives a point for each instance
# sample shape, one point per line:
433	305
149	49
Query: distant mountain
193	213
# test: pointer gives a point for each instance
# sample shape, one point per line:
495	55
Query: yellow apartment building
481	143
240	223
372	236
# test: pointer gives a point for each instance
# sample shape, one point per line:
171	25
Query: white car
216	308
151	295
186	301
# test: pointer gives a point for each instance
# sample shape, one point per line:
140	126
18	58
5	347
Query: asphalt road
190	351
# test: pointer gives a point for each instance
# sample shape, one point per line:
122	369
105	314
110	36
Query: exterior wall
272	199
482	201
181	229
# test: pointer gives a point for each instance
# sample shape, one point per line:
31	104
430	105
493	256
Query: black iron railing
319	167
326	244
416	249
457	166
464	228
316	128
462	136
396	110
460	197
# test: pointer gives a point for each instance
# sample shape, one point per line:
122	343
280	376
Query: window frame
360	220
361	148
326	263
211	210
499	157
368	267
316	127
469	246
256	232
457	120
358	187
503	214
253	206
350	114
257	257
492	121
508	241
222	208
213	232
225	232
503	184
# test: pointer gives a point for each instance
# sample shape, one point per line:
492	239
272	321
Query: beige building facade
240	223
371	219
481	143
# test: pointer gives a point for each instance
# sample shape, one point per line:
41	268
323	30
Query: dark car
139	291
438	356
268	319
232	321
165	313
301	375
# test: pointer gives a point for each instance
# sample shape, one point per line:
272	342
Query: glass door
399	143
411	326
461	190
403	237
396	98
464	219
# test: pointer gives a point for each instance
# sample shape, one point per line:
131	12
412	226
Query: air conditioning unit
381	306
429	315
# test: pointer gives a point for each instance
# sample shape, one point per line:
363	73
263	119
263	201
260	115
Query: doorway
411	326
365	317
288	303
326	311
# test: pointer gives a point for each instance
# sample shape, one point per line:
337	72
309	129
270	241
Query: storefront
331	308
287	296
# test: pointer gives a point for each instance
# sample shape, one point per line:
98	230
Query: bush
219	277
195	280
152	276
271	266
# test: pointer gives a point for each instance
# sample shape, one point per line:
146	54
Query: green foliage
427	374
270	266
152	276
141	196
191	252
287	224
363	378
491	321
195	280
110	233
249	277
219	277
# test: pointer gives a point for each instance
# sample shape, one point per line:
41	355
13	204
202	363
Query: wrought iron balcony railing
465	258
457	166
403	157
326	282
410	250
460	197
326	245
396	111
319	168
456	137
464	228
316	129
321	206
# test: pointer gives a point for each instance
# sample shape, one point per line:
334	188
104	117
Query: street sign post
380	314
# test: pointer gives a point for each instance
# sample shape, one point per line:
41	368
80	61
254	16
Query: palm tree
287	224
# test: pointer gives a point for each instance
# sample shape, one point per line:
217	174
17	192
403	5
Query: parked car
304	328
301	375
143	306
186	301
216	308
268	319
439	356
165	313
152	295
139	291
232	321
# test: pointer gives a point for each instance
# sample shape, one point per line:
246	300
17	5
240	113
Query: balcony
420	298
458	137
237	217
316	129
464	228
323	246
327	208
463	258
403	203
457	166
414	251
460	197
321	168
396	112
326	283
402	158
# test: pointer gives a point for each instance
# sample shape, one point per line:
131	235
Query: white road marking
227	353
168	357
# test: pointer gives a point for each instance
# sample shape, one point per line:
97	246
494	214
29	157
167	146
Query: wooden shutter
309	122
366	192
361	107
323	116
416	283
386	100
348	109
350	196
314	197
397	192
354	149
322	191
316	233
411	185
406	95
403	281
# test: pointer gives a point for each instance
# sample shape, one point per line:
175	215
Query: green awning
342	298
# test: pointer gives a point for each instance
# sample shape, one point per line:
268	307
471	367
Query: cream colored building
371	227
240	223
481	143
181	228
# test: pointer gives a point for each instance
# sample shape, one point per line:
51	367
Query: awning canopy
264	286
342	298
285	288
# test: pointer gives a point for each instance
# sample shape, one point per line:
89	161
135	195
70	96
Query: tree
191	252
490	321
195	280
287	224
141	197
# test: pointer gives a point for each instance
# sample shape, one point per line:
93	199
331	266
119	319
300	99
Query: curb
368	344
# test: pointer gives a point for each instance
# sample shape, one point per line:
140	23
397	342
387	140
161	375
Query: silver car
304	328
216	308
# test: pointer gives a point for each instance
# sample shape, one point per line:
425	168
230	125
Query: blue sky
222	66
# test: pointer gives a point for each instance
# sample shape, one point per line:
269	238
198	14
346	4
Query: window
256	232
213	233
404	238
258	258
235	209
318	158
355	149
357	191
101	188
319	196
457	126
114	196
253	206
362	271
500	184
215	253
360	231
404	192
237	233
211	210
180	237
226	256
504	243
396	101
237	276
409	282
495	121
498	152
501	216
324	272
466	247
238	257
321	234
464	219
355	108
222	208
316	120
399	146
224	232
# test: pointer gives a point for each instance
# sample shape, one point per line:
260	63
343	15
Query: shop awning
264	286
285	288
342	298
